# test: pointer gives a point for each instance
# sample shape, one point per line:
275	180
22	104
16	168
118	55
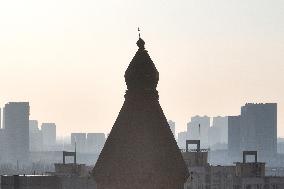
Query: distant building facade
243	175
80	140
182	137
3	155
2	139
35	135
222	124
48	135
259	129
16	122
280	145
234	137
88	143
197	129
95	142
65	176
172	125
254	129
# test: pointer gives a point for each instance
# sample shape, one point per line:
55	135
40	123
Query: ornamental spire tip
140	43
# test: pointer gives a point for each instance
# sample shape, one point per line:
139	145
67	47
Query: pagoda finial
140	43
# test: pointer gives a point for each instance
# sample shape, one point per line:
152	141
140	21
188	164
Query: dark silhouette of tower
140	151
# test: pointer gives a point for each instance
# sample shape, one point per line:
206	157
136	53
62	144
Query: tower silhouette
141	151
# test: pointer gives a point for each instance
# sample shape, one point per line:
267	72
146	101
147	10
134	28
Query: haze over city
124	94
69	60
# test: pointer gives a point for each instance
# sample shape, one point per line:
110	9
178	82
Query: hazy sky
68	57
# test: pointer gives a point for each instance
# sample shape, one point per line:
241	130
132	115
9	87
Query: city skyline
171	123
69	63
142	94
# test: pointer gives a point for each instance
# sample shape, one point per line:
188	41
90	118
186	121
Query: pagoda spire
141	74
140	151
139	32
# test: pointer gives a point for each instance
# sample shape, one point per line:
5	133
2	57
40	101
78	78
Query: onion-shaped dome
141	73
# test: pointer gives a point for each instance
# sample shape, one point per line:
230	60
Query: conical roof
140	151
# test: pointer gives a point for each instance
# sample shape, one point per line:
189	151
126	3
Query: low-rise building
66	176
242	175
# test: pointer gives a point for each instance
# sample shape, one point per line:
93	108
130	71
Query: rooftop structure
70	169
244	175
250	169
195	157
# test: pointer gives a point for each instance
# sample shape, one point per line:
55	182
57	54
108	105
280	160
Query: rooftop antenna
199	129
63	143
18	166
75	158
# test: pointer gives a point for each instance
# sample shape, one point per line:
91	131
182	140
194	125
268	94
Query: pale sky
68	57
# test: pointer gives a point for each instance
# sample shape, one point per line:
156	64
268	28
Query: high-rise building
3	118
48	135
1	134
197	129
221	123
182	137
80	140
258	129
172	125
214	136
254	129
16	116
33	125
95	142
218	136
234	137
2	145
36	141
0	118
